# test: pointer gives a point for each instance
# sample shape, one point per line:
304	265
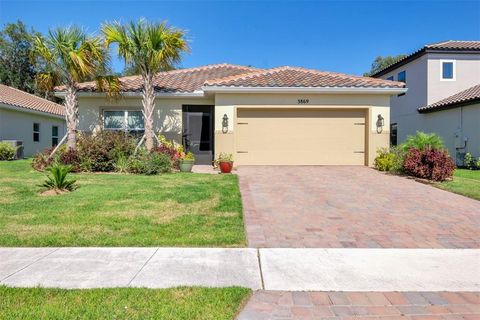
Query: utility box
459	139
18	145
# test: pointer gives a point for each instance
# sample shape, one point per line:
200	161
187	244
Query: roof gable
17	98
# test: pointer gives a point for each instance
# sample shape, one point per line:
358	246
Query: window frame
405	79
393	128
125	120
391	78
55	136
454	69
36	132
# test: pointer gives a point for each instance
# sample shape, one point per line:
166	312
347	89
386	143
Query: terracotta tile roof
182	80
468	96
456	46
300	77
17	98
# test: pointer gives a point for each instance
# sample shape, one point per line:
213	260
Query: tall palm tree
149	48
71	56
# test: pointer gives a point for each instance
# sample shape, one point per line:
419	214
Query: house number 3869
303	101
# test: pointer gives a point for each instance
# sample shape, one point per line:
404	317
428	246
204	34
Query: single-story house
460	114
280	116
31	121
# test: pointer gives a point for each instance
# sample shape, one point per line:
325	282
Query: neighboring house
281	116
443	96
36	122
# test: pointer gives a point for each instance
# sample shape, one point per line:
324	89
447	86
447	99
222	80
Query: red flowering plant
431	164
168	147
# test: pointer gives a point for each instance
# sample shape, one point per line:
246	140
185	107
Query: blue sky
342	36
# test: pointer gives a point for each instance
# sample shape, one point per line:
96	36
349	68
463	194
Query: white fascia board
343	90
40	113
195	94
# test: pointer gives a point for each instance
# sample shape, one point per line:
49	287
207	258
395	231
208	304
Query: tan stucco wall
169	113
377	104
168	119
18	125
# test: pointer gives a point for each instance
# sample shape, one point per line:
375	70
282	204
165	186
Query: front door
198	132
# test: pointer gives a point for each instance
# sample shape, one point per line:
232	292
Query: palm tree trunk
71	115
148	102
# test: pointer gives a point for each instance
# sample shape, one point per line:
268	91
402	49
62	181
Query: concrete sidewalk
269	269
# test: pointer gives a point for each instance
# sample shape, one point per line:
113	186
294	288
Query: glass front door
198	132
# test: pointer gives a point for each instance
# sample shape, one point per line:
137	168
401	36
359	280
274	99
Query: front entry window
125	120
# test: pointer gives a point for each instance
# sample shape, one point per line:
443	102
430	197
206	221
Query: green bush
7	151
389	160
149	163
422	141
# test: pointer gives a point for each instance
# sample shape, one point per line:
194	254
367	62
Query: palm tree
149	48
71	56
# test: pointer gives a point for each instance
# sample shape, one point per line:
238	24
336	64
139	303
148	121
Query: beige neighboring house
443	95
34	122
280	116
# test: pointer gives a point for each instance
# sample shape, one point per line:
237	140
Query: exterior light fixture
225	123
380	123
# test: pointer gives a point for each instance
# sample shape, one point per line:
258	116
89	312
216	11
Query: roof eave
134	94
323	90
31	111
448	106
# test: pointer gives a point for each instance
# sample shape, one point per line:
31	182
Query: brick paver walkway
276	305
327	207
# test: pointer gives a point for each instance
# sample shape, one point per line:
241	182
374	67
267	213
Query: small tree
148	48
71	57
382	62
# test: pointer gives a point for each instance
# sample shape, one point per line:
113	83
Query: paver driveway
305	206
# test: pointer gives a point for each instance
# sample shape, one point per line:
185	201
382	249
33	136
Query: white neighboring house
36	122
443	81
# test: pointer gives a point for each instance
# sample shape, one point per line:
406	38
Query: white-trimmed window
36	132
447	70
54	136
125	120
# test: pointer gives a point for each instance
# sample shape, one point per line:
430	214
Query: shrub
42	160
168	147
423	141
470	162
149	163
71	158
121	165
100	152
157	163
58	178
390	159
7	151
385	160
432	164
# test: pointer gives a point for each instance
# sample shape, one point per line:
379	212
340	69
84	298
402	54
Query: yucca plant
57	180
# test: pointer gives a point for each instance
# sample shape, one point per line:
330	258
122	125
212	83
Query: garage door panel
297	137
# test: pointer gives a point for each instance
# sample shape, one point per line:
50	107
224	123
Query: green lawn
178	209
465	182
122	303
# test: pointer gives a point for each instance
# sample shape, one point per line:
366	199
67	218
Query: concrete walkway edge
300	269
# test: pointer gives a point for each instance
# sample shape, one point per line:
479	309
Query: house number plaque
303	101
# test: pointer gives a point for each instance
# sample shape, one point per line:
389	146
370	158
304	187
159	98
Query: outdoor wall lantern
225	123
380	123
